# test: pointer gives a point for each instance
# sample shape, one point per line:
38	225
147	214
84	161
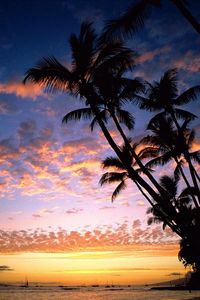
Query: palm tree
85	79
163	96
134	18
167	141
120	175
89	62
182	203
189	216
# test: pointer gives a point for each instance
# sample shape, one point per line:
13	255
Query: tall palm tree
117	90
134	18
89	61
167	141
120	175
163	96
189	244
182	203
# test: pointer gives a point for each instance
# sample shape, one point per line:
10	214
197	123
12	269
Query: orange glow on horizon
122	266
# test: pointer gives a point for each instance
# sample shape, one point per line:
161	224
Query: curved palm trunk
187	182
140	164
187	156
136	178
186	13
197	176
144	194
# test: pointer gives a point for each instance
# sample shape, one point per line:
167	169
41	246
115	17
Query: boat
26	284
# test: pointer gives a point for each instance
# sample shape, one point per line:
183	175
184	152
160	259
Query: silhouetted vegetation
98	76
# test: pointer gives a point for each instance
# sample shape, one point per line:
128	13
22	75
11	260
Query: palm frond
126	118
124	59
189	95
130	22
169	184
183	114
82	113
108	50
110	177
168	84
118	190
160	160
50	74
129	90
188	191
157	121
83	49
195	156
103	115
111	161
148	152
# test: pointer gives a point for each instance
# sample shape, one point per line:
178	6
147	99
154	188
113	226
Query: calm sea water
99	293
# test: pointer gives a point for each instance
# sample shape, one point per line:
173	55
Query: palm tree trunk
197	176
186	13
144	194
136	178
186	155
186	181
138	161
132	173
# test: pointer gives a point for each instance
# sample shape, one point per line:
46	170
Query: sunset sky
56	223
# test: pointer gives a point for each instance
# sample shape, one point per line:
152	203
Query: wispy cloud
73	211
20	90
4	268
150	55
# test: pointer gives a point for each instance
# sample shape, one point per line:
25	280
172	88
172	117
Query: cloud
175	274
189	62
150	55
7	107
101	237
5	268
73	211
34	162
107	207
29	90
36	216
141	203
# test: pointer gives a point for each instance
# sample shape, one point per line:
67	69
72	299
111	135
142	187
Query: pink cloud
107	207
150	55
37	216
100	237
189	62
73	211
20	90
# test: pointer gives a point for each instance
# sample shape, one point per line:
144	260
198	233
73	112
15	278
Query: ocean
93	293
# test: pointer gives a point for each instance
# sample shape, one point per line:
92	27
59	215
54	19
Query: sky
56	223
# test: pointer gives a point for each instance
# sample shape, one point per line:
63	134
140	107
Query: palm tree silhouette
120	176
89	61
189	217
163	96
169	146
183	204
96	76
134	18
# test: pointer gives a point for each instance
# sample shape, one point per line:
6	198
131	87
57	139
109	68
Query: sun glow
119	266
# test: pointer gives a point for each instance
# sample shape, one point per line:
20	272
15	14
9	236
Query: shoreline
174	288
